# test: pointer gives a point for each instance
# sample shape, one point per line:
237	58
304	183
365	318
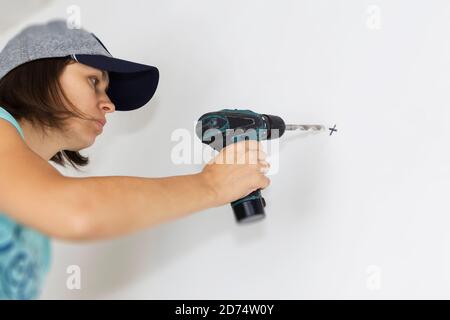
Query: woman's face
85	87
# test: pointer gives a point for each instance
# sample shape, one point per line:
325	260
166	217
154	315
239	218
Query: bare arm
111	206
118	205
35	194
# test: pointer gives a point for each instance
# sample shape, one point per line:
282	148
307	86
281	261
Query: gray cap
131	84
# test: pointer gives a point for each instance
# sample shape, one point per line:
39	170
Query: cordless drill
221	128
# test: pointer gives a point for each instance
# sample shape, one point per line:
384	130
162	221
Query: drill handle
249	208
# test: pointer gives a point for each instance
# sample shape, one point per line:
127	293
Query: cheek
79	94
84	101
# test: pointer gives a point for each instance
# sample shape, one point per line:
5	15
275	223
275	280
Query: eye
95	81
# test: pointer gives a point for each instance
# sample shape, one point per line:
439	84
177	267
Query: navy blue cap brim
131	84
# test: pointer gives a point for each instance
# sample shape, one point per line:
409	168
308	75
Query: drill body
221	128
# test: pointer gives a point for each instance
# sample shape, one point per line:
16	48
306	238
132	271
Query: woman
56	87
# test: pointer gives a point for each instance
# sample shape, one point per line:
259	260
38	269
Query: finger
264	170
264	182
250	144
249	157
264	163
262	155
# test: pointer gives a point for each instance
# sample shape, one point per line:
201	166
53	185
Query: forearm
111	206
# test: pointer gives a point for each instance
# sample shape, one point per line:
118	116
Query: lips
103	122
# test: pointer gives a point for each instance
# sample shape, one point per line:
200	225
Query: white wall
359	214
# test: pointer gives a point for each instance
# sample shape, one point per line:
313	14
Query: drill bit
306	127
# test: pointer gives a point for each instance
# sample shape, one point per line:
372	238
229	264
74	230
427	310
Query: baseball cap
131	84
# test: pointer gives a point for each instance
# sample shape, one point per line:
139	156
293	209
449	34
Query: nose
107	105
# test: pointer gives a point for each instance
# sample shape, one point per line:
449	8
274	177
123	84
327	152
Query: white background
362	213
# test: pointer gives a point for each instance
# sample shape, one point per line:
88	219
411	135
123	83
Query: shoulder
8	124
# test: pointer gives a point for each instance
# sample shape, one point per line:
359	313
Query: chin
88	144
83	144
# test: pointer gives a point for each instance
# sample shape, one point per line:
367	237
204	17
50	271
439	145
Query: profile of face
86	88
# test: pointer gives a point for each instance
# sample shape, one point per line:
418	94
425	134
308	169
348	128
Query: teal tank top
24	252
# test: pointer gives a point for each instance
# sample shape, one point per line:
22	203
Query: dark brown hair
32	91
